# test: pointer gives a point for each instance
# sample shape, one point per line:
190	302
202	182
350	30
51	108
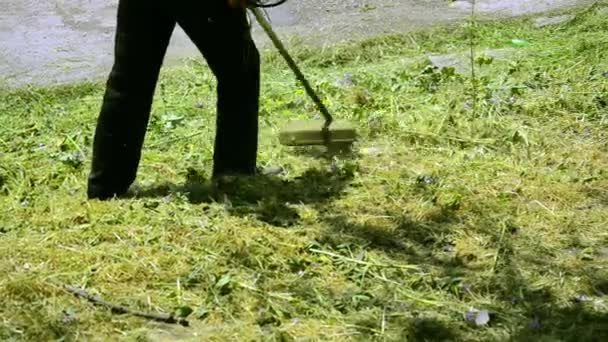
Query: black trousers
144	29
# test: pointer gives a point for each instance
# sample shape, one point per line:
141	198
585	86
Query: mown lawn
460	198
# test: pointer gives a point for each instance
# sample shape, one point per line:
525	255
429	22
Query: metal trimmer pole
283	51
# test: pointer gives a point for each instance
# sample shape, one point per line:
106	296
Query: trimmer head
337	137
310	132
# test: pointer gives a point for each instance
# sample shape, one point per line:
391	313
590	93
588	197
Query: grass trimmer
327	132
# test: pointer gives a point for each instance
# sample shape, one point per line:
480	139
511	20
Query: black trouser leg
143	32
226	43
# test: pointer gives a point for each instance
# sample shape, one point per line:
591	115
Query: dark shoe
96	194
259	171
100	188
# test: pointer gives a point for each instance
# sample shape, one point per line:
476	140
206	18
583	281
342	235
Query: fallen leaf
479	318
483	318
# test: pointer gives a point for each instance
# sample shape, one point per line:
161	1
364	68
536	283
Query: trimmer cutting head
310	132
338	136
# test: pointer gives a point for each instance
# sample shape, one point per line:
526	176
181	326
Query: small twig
124	310
361	262
552	212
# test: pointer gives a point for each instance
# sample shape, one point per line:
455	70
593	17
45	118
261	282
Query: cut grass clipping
443	225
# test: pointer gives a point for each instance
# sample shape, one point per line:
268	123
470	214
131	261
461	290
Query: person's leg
143	33
223	36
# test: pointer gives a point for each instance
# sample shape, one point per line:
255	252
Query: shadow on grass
422	329
266	197
427	329
528	310
550	318
599	195
574	323
543	315
402	238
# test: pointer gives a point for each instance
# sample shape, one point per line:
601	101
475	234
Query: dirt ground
60	41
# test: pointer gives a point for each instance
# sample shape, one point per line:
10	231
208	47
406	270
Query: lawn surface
462	197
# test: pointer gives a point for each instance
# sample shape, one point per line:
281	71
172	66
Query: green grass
440	211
